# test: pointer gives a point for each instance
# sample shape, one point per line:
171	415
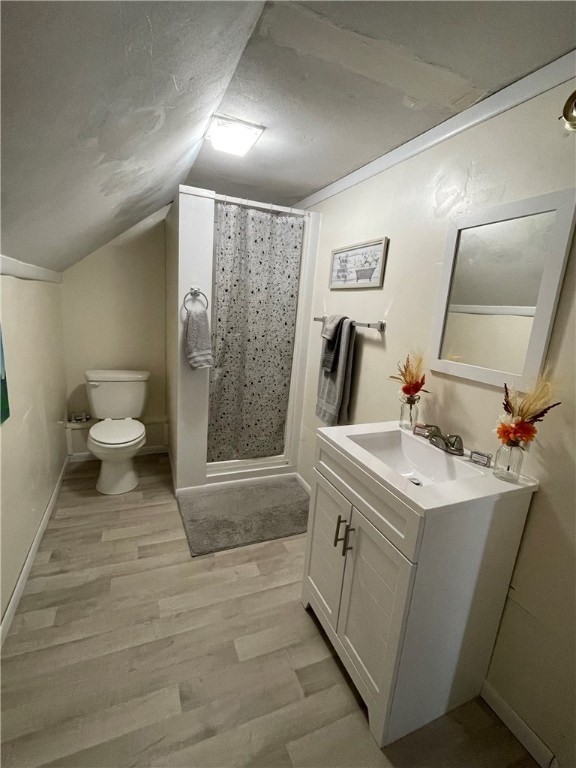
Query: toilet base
117	477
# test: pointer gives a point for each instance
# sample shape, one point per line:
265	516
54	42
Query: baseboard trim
303	484
236	483
27	567
87	456
525	735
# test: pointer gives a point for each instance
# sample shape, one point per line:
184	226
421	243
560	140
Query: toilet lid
117	431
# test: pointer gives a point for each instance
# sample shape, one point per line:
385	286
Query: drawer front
392	517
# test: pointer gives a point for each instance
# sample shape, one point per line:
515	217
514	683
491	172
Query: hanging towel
331	331
198	343
334	386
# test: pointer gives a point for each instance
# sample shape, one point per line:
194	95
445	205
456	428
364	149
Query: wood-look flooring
126	652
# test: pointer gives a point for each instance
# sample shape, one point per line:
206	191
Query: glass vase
508	462
409	411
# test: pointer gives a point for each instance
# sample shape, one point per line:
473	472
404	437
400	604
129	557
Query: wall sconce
569	112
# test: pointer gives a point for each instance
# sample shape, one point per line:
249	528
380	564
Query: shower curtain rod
263	206
198	192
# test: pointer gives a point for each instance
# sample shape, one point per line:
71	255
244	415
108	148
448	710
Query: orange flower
514	432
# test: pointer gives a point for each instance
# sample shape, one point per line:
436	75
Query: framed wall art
359	266
4	406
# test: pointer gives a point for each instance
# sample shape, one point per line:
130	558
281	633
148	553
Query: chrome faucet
450	443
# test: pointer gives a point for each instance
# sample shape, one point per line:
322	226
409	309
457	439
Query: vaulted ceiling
105	104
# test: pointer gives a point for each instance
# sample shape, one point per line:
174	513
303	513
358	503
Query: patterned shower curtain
257	267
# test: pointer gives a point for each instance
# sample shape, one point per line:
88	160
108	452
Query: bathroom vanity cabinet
410	597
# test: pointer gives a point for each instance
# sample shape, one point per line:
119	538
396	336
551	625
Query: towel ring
194	294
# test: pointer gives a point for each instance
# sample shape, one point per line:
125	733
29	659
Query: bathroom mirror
500	284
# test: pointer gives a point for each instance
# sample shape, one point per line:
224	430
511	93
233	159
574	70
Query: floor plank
125	651
67	737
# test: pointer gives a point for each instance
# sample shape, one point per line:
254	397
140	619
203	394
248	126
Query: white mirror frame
564	204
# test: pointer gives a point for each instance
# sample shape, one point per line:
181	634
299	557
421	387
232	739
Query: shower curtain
257	266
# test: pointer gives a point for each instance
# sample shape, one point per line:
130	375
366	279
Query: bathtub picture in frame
359	266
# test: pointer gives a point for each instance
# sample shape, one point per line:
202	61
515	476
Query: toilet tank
117	394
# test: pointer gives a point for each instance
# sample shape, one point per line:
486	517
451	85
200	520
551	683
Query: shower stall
254	262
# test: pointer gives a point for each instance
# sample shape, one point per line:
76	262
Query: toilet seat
117	431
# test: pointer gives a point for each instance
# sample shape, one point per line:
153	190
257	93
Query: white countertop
426	497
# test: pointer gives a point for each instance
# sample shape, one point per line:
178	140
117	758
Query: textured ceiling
339	84
103	108
104	104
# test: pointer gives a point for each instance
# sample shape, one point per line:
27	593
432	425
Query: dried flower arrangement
516	425
411	376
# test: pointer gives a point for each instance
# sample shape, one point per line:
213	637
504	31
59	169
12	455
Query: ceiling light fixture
234	136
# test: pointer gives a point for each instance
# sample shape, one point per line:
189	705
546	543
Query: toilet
116	397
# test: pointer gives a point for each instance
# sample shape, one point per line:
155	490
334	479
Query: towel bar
379	325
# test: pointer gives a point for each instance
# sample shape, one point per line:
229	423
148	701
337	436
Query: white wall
32	439
114	312
519	154
190	243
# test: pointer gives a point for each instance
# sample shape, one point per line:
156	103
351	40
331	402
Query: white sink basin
414	458
417	472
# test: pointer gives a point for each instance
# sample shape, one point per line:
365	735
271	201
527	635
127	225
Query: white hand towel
198	342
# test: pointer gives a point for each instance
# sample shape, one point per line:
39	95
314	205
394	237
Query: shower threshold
246	469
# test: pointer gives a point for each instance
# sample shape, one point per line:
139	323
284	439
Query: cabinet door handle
345	547
337	531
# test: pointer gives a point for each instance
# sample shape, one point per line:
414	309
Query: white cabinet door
377	584
331	513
